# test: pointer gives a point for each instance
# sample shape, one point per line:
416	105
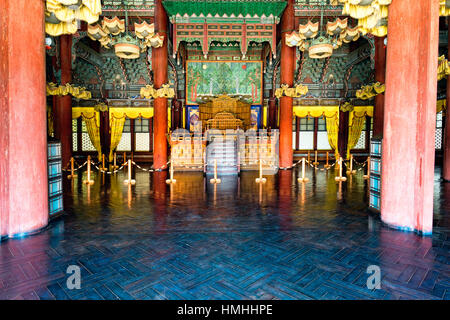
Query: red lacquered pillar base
23	132
410	116
287	77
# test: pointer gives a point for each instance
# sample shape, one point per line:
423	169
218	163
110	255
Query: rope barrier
75	169
100	169
108	172
150	170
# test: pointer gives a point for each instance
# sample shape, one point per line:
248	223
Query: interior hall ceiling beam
86	53
137	8
308	8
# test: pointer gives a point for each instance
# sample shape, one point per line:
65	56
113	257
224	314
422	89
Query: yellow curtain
169	116
333	132
131	113
356	124
93	129
117	117
315	111
50	128
354	131
116	127
331	114
441	105
92	120
265	116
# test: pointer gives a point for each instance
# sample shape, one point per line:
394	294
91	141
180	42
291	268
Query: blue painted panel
54	151
192	115
55	187
55	204
375	201
256	115
54	169
375	166
375	183
375	148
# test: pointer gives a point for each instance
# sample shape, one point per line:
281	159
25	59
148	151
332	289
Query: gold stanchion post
215	179
72	169
115	166
171	180
303	178
340	177
327	165
316	163
260	179
351	171
129	180
88	179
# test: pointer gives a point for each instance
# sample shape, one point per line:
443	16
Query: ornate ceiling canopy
127	45
116	27
371	14
308	30
337	32
224	21
62	16
225	9
444	7
143	8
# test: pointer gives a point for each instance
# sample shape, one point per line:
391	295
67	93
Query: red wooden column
105	136
63	114
159	65
380	76
343	134
410	115
287	77
446	141
272	114
23	131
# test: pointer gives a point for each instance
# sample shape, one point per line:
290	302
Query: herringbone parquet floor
234	241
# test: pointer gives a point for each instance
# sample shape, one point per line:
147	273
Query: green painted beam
224	7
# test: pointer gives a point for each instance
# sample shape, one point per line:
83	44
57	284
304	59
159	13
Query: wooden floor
233	241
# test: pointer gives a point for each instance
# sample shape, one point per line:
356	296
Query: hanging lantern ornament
126	46
321	47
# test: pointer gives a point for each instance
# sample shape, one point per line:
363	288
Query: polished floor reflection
234	240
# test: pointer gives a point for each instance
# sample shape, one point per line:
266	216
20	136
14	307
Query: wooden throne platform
225	112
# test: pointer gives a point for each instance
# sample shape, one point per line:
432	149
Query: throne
223	121
224	113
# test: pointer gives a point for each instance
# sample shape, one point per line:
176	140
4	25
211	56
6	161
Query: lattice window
142	141
307	124
306	140
361	144
322	134
371	127
142	129
438	134
141	125
438	139
74	135
294	137
322	141
86	144
125	142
